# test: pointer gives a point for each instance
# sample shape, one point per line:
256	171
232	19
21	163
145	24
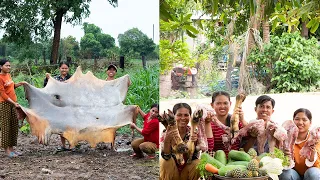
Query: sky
141	14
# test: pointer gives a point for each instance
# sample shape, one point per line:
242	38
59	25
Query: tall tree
70	47
24	21
136	42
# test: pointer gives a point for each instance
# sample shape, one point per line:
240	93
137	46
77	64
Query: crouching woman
149	144
307	169
174	166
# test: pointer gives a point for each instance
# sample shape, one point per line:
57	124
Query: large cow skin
83	108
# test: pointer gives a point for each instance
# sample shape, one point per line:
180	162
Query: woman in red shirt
149	144
8	105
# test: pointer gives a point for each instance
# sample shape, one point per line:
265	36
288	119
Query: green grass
143	91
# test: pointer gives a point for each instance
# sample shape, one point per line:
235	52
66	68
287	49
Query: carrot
211	168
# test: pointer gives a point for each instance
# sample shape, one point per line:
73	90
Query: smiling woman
8	106
173	164
305	167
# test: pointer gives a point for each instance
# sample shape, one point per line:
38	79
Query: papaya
206	158
220	155
223	170
239	155
244	163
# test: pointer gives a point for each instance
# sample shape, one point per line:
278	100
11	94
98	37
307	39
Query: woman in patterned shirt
169	168
63	76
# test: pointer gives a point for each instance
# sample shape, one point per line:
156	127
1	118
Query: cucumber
206	158
239	155
244	163
220	155
222	171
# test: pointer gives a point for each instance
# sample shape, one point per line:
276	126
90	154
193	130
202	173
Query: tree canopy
135	43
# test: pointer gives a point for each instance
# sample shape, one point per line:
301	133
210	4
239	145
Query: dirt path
42	162
286	104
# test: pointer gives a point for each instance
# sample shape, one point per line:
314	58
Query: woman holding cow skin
304	168
63	76
169	168
8	105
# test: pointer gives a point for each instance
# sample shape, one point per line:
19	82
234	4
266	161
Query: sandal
134	155
12	155
151	157
60	149
18	153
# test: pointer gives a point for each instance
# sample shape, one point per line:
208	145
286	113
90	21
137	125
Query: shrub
289	63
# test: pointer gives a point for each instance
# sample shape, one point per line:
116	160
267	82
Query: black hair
62	63
264	98
3	61
155	105
305	111
219	93
181	105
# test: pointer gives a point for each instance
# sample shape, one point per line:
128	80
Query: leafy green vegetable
204	159
279	154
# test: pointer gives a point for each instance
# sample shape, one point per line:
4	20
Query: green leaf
278	6
199	23
165	11
282	18
190	34
222	16
191	28
311	23
315	27
187	18
215	6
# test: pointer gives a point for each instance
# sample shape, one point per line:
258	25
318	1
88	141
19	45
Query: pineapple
248	174
252	152
255	173
228	174
262	172
253	165
245	174
237	173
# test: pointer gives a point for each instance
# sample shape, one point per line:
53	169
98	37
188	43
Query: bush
289	63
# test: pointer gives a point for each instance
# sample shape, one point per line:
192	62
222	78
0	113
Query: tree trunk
143	58
60	57
266	31
95	63
56	37
304	30
228	75
44	56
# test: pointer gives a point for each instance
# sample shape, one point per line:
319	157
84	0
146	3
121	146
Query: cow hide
83	108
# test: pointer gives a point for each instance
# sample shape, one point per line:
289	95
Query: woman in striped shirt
221	104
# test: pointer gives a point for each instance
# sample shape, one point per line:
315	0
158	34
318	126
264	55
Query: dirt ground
44	162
